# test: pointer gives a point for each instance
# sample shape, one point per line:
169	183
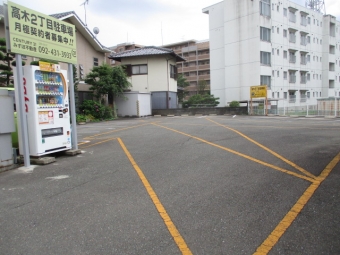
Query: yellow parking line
89	137
269	150
160	208
287	220
110	139
242	155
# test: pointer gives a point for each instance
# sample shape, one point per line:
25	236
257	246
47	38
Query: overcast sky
145	22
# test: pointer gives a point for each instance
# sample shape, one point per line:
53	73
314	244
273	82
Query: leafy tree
234	104
182	83
202	87
6	60
202	101
107	80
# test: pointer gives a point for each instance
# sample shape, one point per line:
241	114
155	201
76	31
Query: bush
90	107
234	104
201	101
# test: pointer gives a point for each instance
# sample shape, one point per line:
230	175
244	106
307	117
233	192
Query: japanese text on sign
258	91
35	34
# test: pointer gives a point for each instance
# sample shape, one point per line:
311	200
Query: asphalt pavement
181	185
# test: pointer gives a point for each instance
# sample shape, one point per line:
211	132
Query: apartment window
303	59
278	73
303	78
173	72
273	7
331	49
265	8
308	58
285	12
265	58
273	73
331	67
292	16
265	80
303	20
308	20
285	75
308	39
278	52
292	77
278	8
139	69
278	30
265	34
284	54
273	29
292	57
95	61
292	36
273	51
285	95
284	33
308	76
303	39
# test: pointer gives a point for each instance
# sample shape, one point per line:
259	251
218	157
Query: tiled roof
62	15
145	51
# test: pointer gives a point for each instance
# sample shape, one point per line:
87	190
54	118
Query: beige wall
158	77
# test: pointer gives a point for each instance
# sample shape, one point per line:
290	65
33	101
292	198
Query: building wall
312	71
158	77
196	68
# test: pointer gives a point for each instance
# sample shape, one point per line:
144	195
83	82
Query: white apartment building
292	49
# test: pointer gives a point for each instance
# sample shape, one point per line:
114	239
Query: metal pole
334	106
74	140
22	113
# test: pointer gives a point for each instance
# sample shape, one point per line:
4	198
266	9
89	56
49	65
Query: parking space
182	185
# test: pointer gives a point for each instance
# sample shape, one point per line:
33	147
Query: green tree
202	87
202	101
182	83
107	80
6	60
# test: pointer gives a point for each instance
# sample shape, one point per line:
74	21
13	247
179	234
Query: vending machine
47	109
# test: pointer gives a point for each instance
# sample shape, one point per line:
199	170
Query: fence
301	107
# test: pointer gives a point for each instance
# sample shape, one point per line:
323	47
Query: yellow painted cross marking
287	220
242	155
269	150
160	208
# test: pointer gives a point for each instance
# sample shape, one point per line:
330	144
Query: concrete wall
133	104
203	111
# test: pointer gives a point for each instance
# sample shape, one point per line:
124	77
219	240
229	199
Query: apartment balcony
191	78
204	77
292	99
203	67
203	56
189	68
303	98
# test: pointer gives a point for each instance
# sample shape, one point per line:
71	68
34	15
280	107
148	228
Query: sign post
35	34
258	92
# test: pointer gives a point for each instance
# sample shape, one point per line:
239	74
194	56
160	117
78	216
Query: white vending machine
47	109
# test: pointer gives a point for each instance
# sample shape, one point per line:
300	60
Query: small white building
152	71
292	49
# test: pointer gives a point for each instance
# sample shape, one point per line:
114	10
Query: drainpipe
167	75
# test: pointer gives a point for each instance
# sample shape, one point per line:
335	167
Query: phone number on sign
55	52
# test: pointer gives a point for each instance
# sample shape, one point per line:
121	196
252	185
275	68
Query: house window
95	61
139	69
265	58
173	72
266	80
265	8
265	34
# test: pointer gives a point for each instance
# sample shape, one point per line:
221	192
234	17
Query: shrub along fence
203	111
